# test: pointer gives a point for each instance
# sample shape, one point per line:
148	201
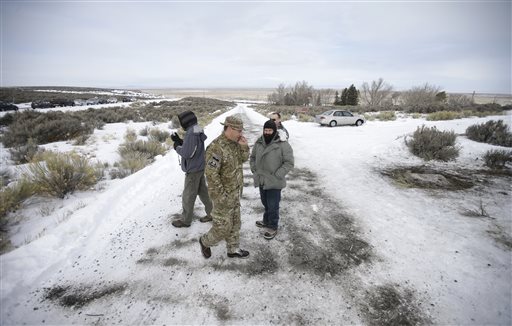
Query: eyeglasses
273	119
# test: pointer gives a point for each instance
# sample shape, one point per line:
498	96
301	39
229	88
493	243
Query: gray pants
195	184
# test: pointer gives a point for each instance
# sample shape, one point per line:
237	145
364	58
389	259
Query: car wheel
332	123
359	122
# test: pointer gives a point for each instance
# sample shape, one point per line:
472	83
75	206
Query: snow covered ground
353	248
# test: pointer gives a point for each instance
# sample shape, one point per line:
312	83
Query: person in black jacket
191	149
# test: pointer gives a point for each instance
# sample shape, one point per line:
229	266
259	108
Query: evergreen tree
352	95
344	97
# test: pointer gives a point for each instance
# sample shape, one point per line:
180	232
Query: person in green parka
271	159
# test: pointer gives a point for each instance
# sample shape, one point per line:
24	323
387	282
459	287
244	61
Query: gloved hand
177	140
175	137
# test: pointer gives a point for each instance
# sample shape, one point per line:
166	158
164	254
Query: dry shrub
57	174
491	132
137	154
432	144
444	115
24	153
386	116
497	159
151	147
158	135
130	136
304	118
145	131
12	196
44	128
132	162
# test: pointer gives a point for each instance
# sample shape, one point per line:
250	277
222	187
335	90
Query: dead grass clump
13	195
428	178
79	296
385	305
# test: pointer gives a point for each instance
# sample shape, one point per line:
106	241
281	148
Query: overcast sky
460	46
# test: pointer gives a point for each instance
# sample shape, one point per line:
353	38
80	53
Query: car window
327	113
338	114
347	114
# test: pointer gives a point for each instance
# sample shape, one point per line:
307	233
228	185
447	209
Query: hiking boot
180	224
206	251
205	219
239	254
260	224
270	234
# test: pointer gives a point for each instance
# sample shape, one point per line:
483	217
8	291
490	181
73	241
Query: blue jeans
270	199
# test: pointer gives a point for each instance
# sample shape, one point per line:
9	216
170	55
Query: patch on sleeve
214	162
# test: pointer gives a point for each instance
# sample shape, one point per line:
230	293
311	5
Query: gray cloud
461	46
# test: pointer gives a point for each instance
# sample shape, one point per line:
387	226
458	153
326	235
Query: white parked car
334	118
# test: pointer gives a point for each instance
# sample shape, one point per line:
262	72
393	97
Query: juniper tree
352	95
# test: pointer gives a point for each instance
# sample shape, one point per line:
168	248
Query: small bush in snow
131	162
305	118
80	140
386	116
491	132
444	115
432	144
58	174
158	135
130	136
24	153
12	196
152	148
497	159
144	132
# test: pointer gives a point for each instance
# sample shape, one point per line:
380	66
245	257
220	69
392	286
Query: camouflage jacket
224	174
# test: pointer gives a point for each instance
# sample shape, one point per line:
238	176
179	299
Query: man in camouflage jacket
224	159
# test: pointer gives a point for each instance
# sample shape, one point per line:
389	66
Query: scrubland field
260	94
379	226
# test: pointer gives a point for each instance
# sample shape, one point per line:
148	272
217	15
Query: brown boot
179	224
205	219
206	251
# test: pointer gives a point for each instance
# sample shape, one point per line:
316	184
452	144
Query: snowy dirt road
132	267
352	248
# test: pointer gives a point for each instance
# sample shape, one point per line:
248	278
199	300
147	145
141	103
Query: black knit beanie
187	119
270	124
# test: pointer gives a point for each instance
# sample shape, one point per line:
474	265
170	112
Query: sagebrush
491	132
58	174
22	154
47	127
12	196
432	144
497	158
